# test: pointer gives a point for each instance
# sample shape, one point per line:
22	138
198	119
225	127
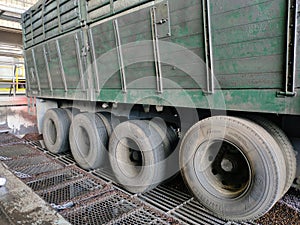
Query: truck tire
72	112
136	154
109	120
285	146
88	141
166	133
56	125
233	167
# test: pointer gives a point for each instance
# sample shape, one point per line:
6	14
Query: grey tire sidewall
96	132
151	173
285	146
72	112
110	121
264	189
62	124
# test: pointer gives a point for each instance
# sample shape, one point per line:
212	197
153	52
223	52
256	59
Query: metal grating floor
26	162
8	139
73	191
18	150
101	210
54	178
92	197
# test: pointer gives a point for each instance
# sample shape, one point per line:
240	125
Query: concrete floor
14	116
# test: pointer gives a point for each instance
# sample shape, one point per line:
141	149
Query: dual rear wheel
235	167
138	152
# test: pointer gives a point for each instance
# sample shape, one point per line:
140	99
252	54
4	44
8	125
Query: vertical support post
87	58
91	38
43	21
79	61
63	75
291	49
112	7
31	26
36	75
17	77
24	36
210	74
58	16
157	60
28	87
47	68
120	56
14	80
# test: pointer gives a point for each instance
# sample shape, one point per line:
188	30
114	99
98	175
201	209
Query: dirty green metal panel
240	100
54	65
48	19
70	57
98	9
248	43
31	76
186	29
41	68
57	66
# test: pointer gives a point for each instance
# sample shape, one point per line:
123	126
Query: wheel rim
223	169
84	144
52	132
129	157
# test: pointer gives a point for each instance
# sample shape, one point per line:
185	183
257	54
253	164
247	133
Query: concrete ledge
20	205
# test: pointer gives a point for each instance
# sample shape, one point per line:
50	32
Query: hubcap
224	167
129	157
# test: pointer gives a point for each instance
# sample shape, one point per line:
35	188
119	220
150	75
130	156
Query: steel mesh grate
70	191
193	212
8	139
101	210
34	170
67	159
35	144
164	198
105	173
143	216
28	161
55	178
15	151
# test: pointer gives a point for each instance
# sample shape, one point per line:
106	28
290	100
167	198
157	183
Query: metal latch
161	20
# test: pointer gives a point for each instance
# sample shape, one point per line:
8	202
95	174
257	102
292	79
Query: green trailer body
75	55
205	87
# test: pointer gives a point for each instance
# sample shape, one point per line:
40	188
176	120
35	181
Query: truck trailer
208	88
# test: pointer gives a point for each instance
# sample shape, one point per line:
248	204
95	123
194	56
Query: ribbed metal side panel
48	19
